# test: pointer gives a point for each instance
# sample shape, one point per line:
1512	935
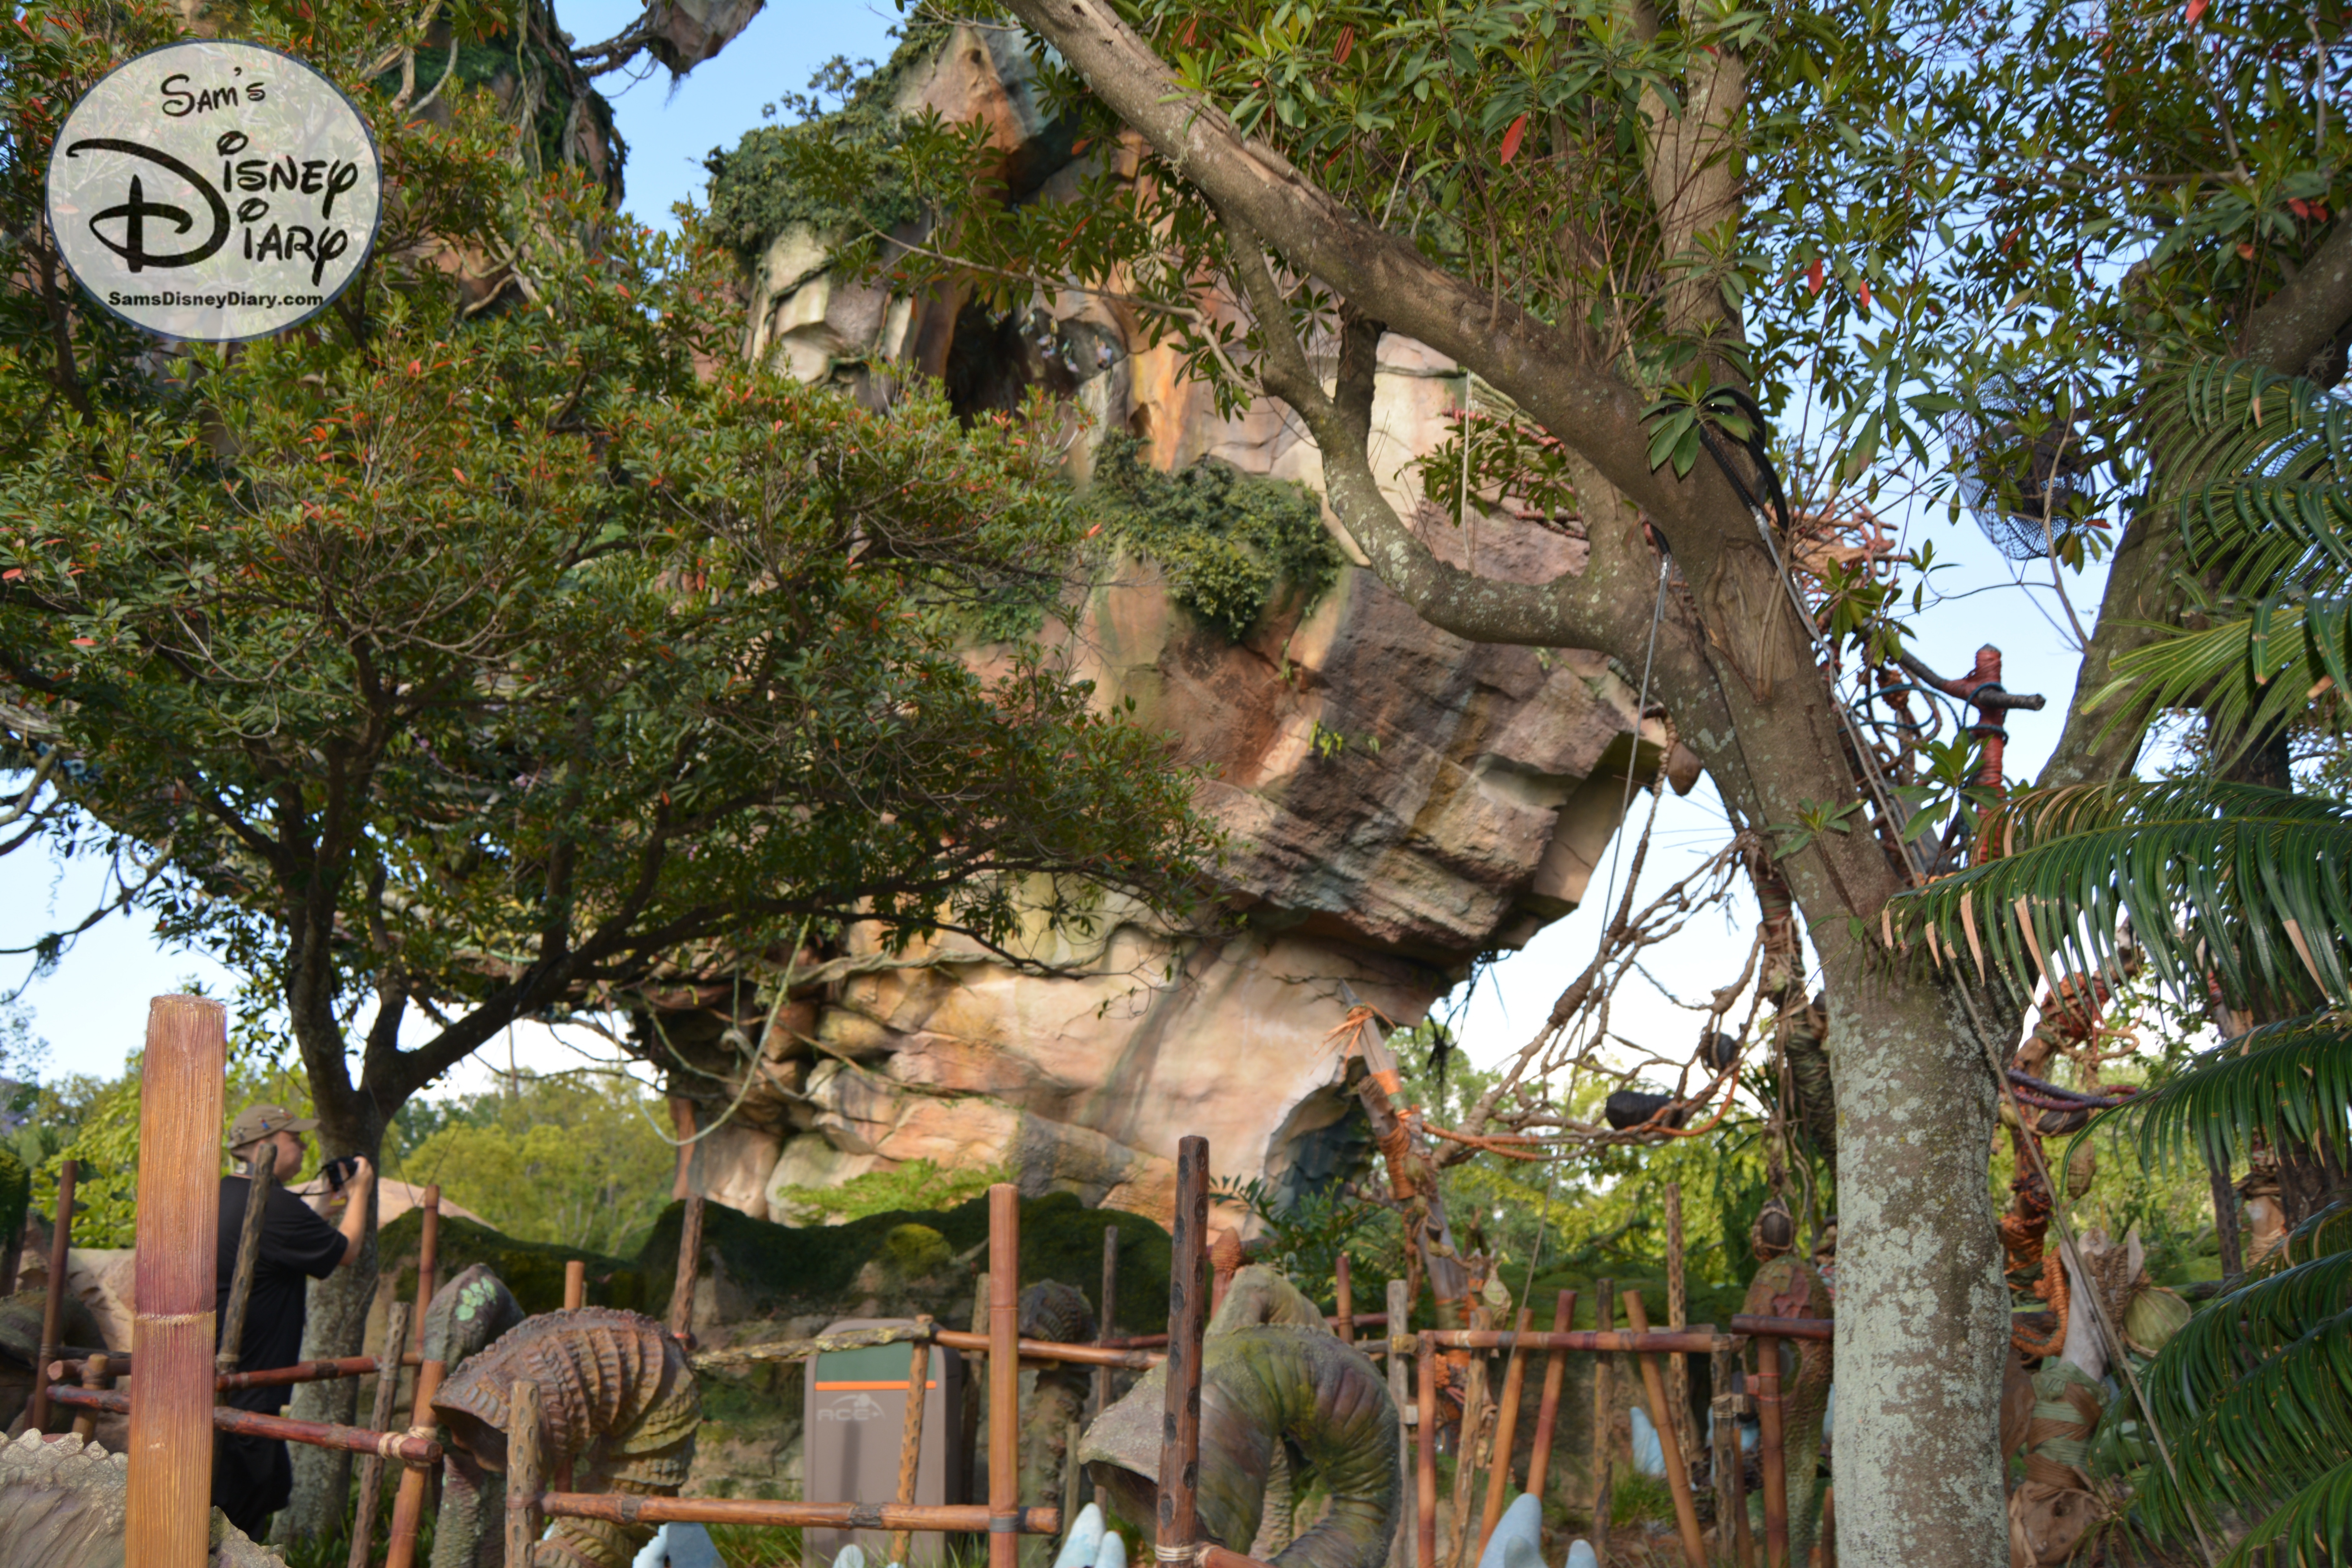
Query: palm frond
2249	886
2254	1397
2249	672
2288	1084
2257	468
2257	464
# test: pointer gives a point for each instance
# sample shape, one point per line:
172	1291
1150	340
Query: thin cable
1641	708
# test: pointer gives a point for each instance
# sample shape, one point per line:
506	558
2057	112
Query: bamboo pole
1109	1303
1408	1529
1610	1340
1466	1452
1344	1297
408	1503
1731	1527
910	1438
1548	1408
1004	1374
167	1512
1506	1435
253	1424
94	1375
1048	1351
1177	1517
1425	1451
52	1305
1678	1382
428	1259
1822	1328
689	1266
1605	1484
525	1474
387	1400
628	1508
1653	1383
258	1188
1776	1469
121	1366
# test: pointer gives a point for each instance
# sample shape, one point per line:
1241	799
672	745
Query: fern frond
2249	886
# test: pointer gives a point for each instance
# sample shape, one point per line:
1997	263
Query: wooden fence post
689	1266
1669	1448
575	1284
1506	1434
1178	1523
1604	1479
259	1183
387	1400
1004	1375
1109	1308
1408	1528
1344	1297
168	1511
1775	1455
53	1306
408	1503
1732	1534
1425	1452
911	1437
1547	1409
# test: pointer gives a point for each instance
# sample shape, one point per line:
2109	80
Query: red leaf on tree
2196	11
1347	44
1512	138
1865	296
1814	275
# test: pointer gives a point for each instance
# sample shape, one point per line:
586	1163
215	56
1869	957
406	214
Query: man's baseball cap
258	1121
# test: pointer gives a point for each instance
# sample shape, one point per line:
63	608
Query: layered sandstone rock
1398	801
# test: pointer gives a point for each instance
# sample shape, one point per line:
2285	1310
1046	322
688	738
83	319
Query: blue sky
92	1009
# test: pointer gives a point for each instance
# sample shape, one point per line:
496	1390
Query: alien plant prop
1273	1380
615	1393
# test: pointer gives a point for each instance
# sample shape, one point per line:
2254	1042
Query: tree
1698	249
498	645
574	1161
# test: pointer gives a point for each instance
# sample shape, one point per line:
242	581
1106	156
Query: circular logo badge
215	191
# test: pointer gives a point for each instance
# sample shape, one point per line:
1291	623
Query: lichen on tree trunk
1922	1330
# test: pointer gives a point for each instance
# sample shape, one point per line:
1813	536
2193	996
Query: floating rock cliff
1398	802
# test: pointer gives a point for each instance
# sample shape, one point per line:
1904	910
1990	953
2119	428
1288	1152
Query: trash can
854	1423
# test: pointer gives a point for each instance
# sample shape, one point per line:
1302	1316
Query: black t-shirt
295	1244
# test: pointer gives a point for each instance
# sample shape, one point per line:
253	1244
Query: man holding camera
253	1478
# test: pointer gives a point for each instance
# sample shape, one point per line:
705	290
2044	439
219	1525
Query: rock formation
1398	802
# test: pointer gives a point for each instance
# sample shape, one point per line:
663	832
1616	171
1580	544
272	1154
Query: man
254	1477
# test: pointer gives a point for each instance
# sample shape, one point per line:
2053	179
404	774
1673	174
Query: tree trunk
1922	1329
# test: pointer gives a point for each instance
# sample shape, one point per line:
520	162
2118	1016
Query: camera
339	1170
